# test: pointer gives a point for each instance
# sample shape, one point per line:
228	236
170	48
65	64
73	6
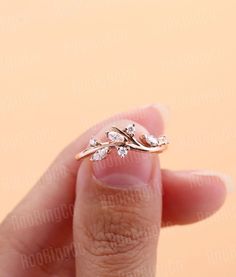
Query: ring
123	141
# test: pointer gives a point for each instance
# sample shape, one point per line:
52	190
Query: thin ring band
123	141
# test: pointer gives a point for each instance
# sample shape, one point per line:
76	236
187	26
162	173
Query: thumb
118	214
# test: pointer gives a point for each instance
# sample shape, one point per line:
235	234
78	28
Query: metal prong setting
123	141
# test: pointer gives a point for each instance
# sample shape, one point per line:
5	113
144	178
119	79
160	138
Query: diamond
100	154
122	151
130	129
162	140
93	142
115	137
154	141
151	140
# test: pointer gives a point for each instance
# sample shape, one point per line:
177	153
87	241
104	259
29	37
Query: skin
109	213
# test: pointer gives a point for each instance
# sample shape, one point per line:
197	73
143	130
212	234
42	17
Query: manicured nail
227	180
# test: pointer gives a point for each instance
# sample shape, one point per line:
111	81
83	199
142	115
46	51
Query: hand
103	218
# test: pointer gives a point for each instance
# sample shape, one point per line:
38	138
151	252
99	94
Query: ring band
123	141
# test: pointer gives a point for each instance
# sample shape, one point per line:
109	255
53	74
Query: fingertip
190	196
225	179
163	111
158	116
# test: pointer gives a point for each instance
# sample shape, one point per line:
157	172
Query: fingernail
135	169
227	180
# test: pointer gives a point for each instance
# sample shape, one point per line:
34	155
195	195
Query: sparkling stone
100	154
122	151
154	141
130	129
93	142
151	140
115	136
162	140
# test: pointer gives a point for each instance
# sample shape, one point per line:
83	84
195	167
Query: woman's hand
103	218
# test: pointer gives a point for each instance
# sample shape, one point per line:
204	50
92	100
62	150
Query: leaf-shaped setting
154	141
115	136
162	140
150	140
100	154
130	129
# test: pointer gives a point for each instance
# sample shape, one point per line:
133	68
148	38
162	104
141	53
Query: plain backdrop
65	65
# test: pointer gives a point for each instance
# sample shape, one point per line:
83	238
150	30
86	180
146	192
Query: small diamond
130	129
115	137
100	154
151	140
162	140
154	141
122	151
93	142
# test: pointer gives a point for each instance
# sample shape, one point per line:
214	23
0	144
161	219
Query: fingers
43	219
58	182
190	196
57	185
118	215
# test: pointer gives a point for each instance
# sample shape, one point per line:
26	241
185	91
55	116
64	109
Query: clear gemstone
162	140
122	151
151	140
93	142
100	154
154	141
130	129
115	137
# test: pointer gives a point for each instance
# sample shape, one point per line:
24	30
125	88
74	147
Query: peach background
65	65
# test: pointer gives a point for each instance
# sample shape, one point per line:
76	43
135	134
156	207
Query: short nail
227	180
135	169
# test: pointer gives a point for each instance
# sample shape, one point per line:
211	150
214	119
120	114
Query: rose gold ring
123	141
